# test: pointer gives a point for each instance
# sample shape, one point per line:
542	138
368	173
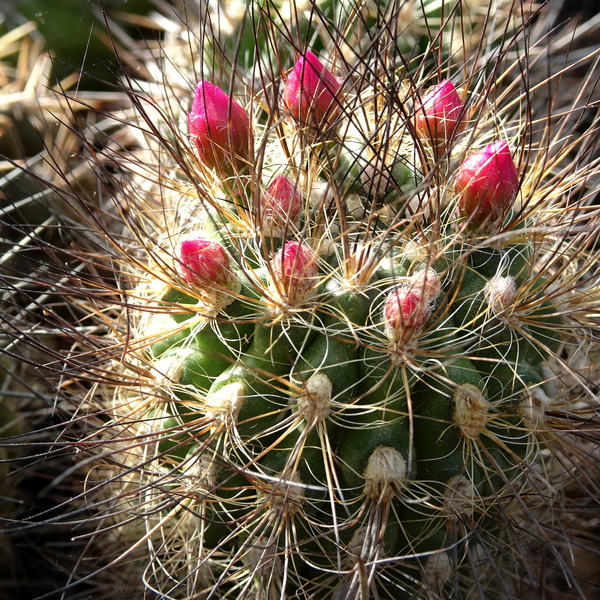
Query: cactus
354	354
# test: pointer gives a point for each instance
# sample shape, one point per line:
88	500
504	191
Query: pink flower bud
440	114
487	184
280	206
405	310
203	263
311	92
409	306
219	127
295	268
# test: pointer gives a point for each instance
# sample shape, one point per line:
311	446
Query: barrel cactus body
358	320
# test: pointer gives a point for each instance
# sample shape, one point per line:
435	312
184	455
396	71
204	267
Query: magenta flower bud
280	206
220	128
405	310
295	268
487	184
408	307
440	114
203	263
311	92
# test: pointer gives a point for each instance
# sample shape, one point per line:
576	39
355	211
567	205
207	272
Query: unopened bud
405	310
487	184
295	268
280	206
408	307
311	92
440	113
220	128
203	262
